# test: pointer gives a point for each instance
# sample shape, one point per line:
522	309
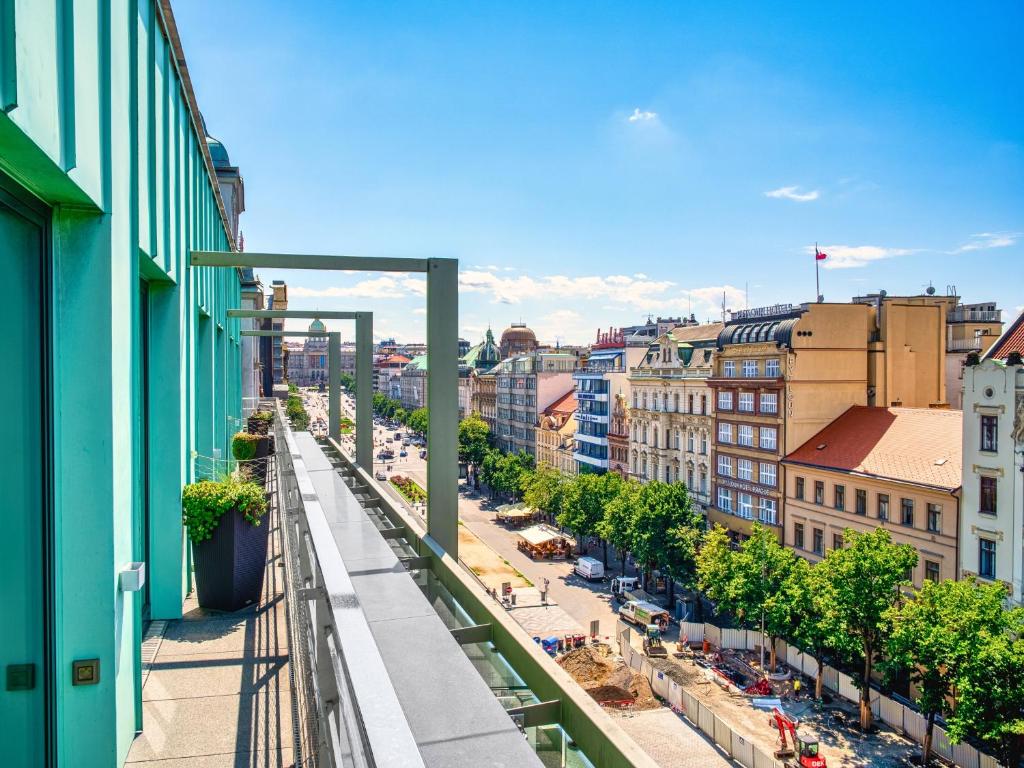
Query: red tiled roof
1012	340
396	359
565	404
915	445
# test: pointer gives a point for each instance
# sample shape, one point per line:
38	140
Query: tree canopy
474	439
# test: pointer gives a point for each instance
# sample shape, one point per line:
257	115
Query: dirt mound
608	682
588	665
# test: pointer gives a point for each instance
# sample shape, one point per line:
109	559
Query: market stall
545	541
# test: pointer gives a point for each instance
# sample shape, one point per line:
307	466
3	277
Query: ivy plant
204	503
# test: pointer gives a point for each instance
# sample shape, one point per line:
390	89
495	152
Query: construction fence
898	716
701	717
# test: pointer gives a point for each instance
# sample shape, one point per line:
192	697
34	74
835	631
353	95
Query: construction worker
796	688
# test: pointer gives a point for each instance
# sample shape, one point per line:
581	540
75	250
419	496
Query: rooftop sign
759	312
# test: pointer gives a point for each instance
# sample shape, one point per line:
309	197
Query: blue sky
590	163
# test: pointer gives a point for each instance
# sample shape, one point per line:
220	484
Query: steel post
364	391
443	403
334	385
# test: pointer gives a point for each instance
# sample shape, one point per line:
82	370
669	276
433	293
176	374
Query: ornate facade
307	360
671	414
554	435
618	436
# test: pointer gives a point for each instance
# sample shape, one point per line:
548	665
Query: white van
589	568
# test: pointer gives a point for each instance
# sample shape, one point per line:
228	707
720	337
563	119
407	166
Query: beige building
526	386
483	398
896	468
783	373
618	436
554	435
671	414
969	328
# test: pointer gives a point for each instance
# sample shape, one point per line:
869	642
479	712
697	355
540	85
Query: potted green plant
251	451
224	519
259	422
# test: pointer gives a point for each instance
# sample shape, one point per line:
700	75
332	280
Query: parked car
403	452
589	568
423	454
621	585
380	475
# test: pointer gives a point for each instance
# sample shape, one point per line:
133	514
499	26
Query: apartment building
784	372
671	413
992	523
525	386
413	384
598	380
478	359
969	328
894	468
483	397
618	435
555	435
387	374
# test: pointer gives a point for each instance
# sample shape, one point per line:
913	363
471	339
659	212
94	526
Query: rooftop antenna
723	306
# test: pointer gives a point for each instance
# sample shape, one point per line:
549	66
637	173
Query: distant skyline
590	164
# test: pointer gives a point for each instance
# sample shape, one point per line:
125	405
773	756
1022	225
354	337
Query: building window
800	488
729	369
986	558
725	466
989	433
745	435
861	501
837	541
675	401
768	438
689	479
749	368
934	518
746	402
931	570
691	403
839	497
771	368
798	535
689	440
819	493
883	506
703	404
745	469
724	500
745	506
769	402
703	482
988	496
636	399
907	512
725	433
767	512
767	474
725	400
704	443
819	542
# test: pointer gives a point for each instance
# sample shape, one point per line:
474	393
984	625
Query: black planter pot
259	461
257	426
230	565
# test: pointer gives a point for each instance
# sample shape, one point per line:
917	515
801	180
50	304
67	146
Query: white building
992	516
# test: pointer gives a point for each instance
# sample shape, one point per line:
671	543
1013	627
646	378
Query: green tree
865	577
512	471
816	625
616	526
419	420
936	634
714	561
399	414
489	469
666	530
583	504
991	692
544	489
474	441
348	381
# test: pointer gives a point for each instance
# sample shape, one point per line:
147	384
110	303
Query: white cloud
793	193
854	256
710	299
642	117
385	287
640	294
985	240
420	311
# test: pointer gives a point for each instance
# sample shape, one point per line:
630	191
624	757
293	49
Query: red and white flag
818	255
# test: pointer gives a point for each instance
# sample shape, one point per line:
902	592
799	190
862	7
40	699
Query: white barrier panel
692	630
691	707
733	638
675	695
847	689
660	684
742	751
762	760
706	720
723	734
891	712
914	725
987	761
830	678
713	634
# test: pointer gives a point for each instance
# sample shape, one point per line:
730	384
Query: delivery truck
643	613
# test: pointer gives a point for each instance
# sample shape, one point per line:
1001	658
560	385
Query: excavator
652	642
804	750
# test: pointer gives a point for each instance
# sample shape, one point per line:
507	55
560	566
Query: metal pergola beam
298	314
442	372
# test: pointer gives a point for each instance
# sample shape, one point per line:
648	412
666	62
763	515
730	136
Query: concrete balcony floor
218	693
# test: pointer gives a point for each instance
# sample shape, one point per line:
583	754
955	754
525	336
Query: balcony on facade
974	315
397	654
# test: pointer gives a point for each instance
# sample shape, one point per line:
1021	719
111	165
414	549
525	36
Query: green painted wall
96	124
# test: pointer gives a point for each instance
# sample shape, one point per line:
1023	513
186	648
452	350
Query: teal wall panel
100	129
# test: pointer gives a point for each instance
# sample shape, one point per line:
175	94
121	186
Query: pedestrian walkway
217	693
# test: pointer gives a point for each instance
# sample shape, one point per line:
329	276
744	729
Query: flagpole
817	278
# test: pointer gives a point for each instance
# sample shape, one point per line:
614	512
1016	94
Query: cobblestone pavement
670	740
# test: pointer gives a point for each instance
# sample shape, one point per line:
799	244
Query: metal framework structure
364	369
442	373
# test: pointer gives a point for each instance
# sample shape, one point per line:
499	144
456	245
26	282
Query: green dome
317	327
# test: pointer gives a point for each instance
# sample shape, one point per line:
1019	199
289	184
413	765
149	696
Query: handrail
360	719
